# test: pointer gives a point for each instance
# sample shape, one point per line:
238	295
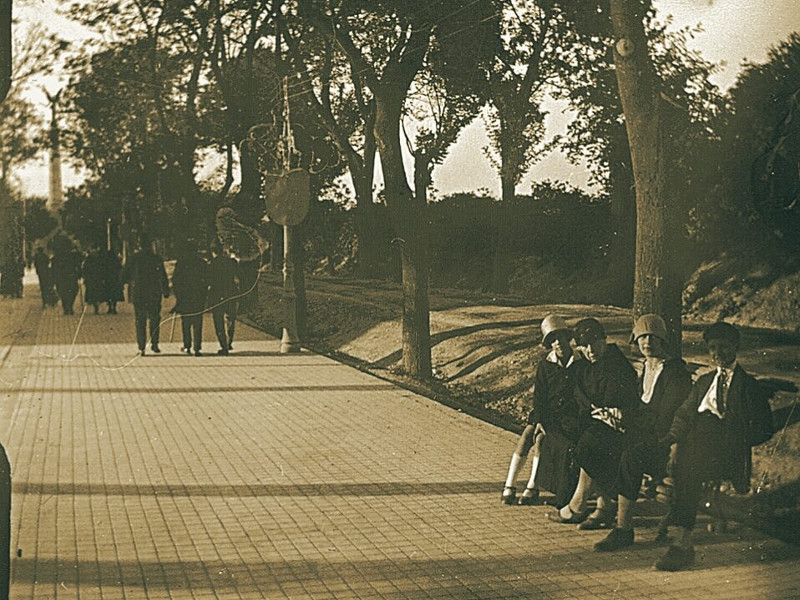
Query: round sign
287	196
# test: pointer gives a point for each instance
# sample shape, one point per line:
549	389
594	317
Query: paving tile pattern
266	476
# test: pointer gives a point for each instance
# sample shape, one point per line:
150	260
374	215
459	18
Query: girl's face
561	346
650	346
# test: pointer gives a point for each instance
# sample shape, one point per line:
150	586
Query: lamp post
290	341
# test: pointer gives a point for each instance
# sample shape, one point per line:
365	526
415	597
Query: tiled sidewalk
260	475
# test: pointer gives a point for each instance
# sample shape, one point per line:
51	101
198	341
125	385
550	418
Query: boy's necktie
722	384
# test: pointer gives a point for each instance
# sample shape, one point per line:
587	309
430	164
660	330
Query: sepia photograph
399	299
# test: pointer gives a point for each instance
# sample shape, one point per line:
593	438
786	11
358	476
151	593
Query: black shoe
186	350
198	353
617	538
141	352
155	349
222	352
529	497
604	520
509	495
676	559
573	519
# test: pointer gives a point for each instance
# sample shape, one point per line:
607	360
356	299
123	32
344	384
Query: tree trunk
408	216
366	218
657	287
622	253
5	48
248	204
502	263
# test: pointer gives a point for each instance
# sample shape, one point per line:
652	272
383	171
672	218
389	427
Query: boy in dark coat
726	414
41	262
664	385
223	296
66	271
111	278
607	391
93	279
553	419
190	284
147	282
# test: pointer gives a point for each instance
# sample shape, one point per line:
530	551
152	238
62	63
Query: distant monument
56	197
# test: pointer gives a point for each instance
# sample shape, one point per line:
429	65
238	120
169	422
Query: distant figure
190	284
93	279
41	262
112	288
147	283
224	287
66	270
13	270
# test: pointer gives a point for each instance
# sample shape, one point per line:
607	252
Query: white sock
516	464
534	467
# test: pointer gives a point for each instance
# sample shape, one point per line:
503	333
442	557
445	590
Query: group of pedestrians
60	274
199	286
598	426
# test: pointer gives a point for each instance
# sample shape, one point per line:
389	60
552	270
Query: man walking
147	282
222	296
190	284
66	271
41	262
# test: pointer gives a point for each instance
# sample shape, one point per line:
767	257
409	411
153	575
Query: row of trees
177	81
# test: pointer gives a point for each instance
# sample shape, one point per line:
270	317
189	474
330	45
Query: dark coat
223	279
554	404
652	421
190	284
609	383
748	420
147	279
41	262
112	268
65	269
93	278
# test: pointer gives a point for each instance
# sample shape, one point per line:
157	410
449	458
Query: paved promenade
259	475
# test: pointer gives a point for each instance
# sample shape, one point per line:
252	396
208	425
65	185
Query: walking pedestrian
66	269
190	285
41	263
112	288
725	415
664	384
224	283
553	419
93	279
607	392
147	282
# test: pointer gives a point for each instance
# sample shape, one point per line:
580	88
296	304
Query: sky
734	31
